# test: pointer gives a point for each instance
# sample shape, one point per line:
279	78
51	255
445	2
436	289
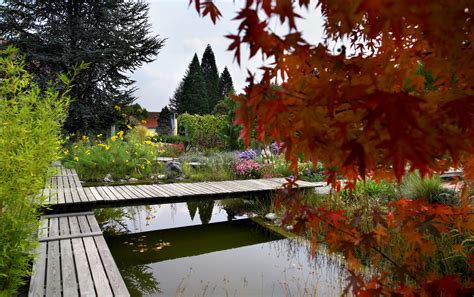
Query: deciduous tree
364	111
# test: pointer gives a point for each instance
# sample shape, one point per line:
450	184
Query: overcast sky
187	34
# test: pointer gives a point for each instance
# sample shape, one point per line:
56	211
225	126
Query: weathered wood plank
69	280
53	272
102	193
139	193
146	190
113	274
127	193
85	282
101	282
158	189
110	193
38	276
96	194
116	192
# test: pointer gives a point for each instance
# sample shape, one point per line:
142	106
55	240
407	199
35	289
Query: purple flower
276	148
247	155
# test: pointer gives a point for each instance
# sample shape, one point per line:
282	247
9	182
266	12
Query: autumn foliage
397	96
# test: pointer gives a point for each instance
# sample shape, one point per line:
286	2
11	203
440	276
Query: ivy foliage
30	126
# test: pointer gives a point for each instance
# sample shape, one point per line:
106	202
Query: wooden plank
101	282
70	214
158	189
197	189
154	191
145	190
53	272
69	280
138	191
38	276
126	192
103	193
179	190
217	188
84	278
111	194
172	191
96	194
89	195
113	274
66	189
116	193
94	225
71	236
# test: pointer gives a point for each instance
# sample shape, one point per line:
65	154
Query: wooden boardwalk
66	193
74	259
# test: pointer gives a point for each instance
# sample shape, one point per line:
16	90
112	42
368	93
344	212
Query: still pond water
211	248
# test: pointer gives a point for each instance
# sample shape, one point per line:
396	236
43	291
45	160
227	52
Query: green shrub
429	188
122	157
30	125
204	131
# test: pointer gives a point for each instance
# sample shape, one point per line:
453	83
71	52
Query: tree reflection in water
204	207
139	280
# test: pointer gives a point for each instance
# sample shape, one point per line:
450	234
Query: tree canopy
112	36
367	111
226	86
211	77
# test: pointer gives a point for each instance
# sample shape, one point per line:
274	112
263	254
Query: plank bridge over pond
65	193
74	259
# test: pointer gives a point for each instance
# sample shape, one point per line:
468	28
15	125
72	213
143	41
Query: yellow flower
117	108
66	152
129	127
88	152
113	138
99	136
148	162
76	159
107	147
148	142
85	138
120	134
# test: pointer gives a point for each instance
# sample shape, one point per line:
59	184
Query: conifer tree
226	85
193	94
112	35
211	77
164	122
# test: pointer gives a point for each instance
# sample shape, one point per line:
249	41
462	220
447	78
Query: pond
211	248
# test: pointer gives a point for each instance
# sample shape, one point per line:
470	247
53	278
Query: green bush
30	126
429	188
122	157
204	131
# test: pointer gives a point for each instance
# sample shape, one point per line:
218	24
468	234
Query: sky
186	33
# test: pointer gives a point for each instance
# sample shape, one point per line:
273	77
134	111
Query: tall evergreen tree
175	101
164	122
226	85
112	35
211	77
193	94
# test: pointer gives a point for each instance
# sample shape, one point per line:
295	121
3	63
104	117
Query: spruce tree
164	122
112	35
225	84
211	77
175	101
193	96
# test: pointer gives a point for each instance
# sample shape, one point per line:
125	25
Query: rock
133	180
108	178
289	228
161	176
123	180
173	169
277	222
271	216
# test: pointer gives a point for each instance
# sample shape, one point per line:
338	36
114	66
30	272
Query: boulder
108	178
173	169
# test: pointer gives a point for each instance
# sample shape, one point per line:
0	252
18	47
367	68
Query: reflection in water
204	207
140	280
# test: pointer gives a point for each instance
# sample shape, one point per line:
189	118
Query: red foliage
370	112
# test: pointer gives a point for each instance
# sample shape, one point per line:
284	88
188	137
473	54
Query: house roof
152	119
